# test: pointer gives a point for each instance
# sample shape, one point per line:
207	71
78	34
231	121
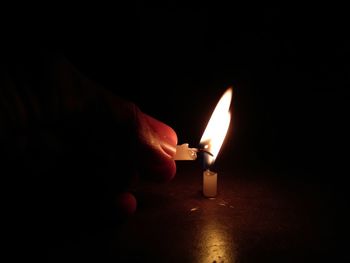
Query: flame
216	130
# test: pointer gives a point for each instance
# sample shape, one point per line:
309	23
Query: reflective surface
214	243
253	219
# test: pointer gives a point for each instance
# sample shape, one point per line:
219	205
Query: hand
72	148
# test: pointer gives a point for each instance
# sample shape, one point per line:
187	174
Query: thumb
158	147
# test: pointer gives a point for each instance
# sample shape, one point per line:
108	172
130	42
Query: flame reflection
215	244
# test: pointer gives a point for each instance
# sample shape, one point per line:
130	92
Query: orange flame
217	127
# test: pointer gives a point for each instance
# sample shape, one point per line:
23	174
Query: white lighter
183	152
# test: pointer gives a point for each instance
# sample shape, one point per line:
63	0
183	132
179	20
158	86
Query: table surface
256	217
263	218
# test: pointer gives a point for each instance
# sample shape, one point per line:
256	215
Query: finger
166	135
125	204
158	146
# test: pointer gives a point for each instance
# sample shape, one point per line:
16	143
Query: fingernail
166	135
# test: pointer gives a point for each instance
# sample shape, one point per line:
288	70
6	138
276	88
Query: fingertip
171	171
166	135
164	173
158	147
126	204
159	169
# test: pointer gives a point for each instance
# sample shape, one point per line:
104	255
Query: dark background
288	66
289	70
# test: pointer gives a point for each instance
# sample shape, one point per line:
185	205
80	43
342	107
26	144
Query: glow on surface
215	244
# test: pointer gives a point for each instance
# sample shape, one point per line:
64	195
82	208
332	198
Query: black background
289	70
288	67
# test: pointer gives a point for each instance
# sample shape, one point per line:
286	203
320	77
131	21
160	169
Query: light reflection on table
215	244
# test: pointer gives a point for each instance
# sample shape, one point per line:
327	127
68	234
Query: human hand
122	142
71	149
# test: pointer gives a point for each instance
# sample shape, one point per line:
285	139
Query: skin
70	150
157	143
